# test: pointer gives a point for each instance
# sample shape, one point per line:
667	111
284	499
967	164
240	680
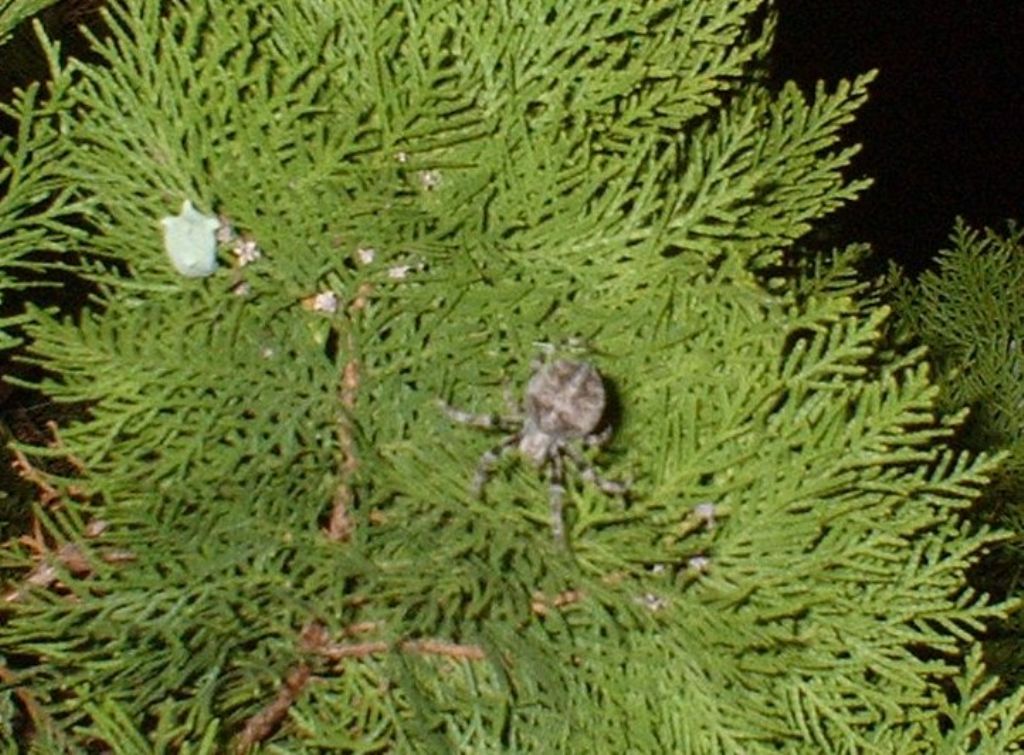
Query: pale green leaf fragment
190	239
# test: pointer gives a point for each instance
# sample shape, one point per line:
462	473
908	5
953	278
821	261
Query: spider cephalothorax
562	411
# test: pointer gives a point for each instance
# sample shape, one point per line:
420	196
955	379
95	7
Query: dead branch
70	556
341	524
541	604
448	649
314	639
58	443
262	725
47	493
39	718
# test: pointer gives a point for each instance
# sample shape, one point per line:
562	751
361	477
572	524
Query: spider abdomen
565	400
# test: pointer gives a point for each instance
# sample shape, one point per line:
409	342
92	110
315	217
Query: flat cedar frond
35	205
270	536
14	12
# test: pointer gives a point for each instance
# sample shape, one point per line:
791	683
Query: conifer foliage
270	538
28	178
969	314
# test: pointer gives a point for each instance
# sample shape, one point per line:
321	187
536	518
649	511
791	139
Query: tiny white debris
190	238
402	156
225	231
325	301
653	602
247	251
699	564
267	352
399	272
96	527
366	254
42	576
706	513
430	179
242	288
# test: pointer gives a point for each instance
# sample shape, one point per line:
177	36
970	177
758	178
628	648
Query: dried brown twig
315	641
541	604
38	719
260	726
341	524
70	556
48	494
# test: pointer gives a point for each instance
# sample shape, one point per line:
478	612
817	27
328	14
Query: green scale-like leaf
475	185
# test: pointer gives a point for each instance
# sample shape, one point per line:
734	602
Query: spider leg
556	495
489	460
589	474
599	439
485	421
511	400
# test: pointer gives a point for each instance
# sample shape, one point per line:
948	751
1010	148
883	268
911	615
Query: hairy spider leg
489	460
556	492
597	440
485	421
556	482
589	474
491	457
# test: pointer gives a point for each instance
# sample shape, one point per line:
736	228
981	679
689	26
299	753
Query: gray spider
563	409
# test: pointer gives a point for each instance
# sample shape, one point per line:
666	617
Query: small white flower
366	254
325	301
399	272
267	352
242	288
402	156
247	251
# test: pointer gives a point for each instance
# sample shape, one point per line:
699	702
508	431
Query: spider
563	410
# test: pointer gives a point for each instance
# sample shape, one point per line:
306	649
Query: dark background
942	131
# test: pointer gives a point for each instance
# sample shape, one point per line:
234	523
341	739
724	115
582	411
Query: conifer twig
47	493
40	719
541	604
337	651
32	708
361	627
28	472
58	442
69	555
341	525
312	639
261	725
316	641
447	649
